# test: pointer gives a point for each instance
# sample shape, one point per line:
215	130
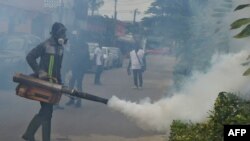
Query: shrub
228	109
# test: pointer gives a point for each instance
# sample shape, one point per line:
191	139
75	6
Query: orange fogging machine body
40	90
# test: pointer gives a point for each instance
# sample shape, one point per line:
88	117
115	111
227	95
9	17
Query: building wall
20	17
14	20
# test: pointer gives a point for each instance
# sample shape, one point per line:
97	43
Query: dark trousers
42	118
98	73
137	74
77	77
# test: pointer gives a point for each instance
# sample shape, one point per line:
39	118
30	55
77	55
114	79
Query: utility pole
93	6
61	11
115	22
115	12
135	13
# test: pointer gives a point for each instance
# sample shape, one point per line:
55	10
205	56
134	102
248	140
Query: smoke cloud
195	99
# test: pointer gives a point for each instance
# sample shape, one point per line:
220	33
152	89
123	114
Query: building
26	16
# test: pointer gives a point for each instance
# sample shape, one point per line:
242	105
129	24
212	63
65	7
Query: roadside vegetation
229	109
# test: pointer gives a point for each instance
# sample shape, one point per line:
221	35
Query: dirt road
94	121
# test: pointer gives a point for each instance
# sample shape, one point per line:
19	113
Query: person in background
137	63
80	63
50	53
98	57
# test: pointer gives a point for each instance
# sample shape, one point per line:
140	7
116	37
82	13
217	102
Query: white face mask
61	41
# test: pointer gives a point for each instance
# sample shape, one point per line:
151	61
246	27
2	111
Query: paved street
94	121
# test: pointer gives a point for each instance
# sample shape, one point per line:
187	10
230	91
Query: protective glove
42	74
74	92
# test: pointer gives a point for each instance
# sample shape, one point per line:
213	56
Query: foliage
241	7
193	29
244	33
228	109
95	5
242	22
189	132
168	20
208	34
81	7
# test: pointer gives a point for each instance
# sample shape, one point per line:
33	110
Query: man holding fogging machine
45	85
50	53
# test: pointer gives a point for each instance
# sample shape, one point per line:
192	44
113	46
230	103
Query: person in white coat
137	63
98	57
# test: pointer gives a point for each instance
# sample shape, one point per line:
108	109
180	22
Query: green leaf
240	22
244	33
241	6
247	72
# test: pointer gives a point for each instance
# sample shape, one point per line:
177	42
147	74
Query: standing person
137	63
50	53
80	63
98	57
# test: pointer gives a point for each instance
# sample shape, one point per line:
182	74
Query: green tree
196	29
168	20
208	33
95	5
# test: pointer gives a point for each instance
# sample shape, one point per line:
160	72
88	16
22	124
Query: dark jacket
80	58
50	54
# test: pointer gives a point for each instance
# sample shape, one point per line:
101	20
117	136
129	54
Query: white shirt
135	64
99	56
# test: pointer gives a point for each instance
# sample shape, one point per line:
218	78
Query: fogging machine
33	88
